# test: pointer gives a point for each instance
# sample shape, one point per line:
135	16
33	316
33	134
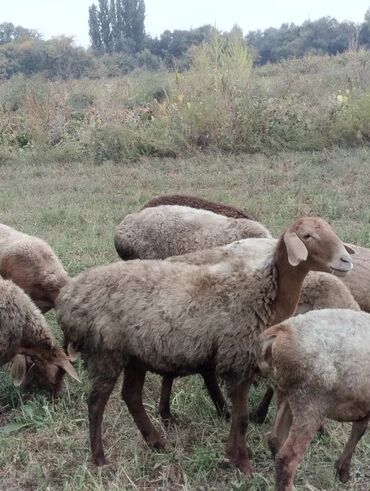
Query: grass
75	207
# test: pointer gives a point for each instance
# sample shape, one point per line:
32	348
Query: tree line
119	44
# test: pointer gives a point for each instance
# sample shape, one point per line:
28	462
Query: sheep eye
306	236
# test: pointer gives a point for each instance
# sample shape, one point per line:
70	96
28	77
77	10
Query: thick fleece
32	265
133	308
163	231
318	364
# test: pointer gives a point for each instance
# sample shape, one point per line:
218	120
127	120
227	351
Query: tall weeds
220	102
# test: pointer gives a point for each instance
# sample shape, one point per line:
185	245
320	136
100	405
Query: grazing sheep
163	231
319	291
359	281
318	363
199	203
179	318
24	332
32	265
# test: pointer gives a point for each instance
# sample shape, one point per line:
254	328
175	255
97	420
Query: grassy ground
75	208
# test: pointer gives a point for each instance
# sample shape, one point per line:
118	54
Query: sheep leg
164	402
132	394
281	425
260	414
290	455
237	450
214	391
97	401
343	463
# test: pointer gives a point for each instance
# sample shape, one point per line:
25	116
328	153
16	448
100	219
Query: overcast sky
69	17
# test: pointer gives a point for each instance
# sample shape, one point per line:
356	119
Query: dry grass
75	208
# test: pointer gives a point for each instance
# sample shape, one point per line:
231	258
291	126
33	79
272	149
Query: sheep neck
289	284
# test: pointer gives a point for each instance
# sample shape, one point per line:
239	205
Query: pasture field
75	207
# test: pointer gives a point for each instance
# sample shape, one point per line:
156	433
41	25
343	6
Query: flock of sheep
197	292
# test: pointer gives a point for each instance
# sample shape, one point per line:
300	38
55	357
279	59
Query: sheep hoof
343	472
322	431
258	417
241	460
273	444
99	460
156	441
169	420
245	466
224	414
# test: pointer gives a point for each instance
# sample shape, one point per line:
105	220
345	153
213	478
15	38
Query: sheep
319	291
25	333
359	281
32	265
318	363
156	233
179	318
200	203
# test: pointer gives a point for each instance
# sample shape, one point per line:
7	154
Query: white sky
69	17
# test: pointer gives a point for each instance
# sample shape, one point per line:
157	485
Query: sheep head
311	243
44	369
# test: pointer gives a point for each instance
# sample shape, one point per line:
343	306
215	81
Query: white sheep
168	230
319	365
179	318
32	265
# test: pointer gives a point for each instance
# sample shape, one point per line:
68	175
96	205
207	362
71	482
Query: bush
220	102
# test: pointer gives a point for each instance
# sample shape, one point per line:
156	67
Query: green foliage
353	120
56	58
220	102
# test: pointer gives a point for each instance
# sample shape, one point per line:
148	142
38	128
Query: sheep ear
350	248
18	370
72	352
67	366
296	249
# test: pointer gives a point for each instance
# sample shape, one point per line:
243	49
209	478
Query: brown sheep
25	333
199	203
179	318
32	265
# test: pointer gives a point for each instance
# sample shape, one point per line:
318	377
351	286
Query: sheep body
359	280
134	306
163	231
31	264
199	203
24	331
318	363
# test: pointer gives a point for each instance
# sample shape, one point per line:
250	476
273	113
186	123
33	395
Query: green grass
75	207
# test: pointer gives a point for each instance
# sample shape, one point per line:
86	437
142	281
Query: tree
117	26
105	26
133	16
94	30
9	33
